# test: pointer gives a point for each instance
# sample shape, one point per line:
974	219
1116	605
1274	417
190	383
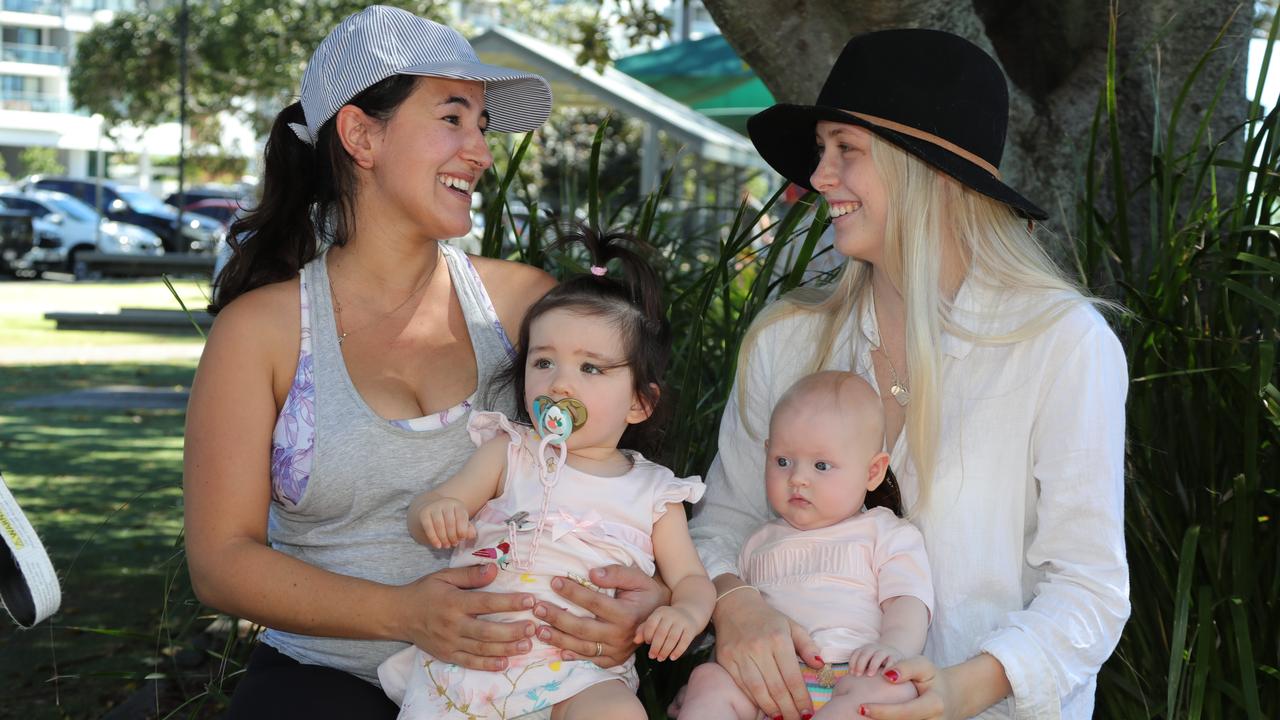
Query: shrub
1203	415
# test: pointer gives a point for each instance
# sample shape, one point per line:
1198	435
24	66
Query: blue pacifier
556	420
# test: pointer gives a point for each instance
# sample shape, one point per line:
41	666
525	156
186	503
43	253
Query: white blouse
1025	526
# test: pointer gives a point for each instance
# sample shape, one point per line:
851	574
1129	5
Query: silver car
66	228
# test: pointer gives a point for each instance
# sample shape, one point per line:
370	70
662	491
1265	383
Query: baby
569	493
856	579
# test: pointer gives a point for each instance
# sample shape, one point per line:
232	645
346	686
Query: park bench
146	320
138	265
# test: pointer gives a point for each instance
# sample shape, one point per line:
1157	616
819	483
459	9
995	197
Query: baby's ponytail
638	276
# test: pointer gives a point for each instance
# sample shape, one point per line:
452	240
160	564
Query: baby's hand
445	522
870	658
668	632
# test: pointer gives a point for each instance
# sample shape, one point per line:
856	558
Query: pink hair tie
597	270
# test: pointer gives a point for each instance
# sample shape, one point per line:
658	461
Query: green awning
707	75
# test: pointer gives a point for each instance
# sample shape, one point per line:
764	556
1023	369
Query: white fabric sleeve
1057	644
672	490
484	426
735	503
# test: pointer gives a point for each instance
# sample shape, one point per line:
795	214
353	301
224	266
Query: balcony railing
93	5
38	54
40	7
35	102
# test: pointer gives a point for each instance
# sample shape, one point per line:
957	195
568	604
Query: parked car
67	228
196	193
16	240
133	205
221	209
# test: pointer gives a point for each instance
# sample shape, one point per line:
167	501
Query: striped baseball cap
382	41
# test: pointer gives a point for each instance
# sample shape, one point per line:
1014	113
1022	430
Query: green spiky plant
1203	411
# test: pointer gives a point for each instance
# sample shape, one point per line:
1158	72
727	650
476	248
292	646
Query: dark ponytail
633	303
308	193
887	494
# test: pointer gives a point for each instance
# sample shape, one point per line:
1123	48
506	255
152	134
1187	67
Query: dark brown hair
887	494
633	303
308	193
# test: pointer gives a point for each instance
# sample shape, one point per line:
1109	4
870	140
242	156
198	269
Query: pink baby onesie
591	521
832	580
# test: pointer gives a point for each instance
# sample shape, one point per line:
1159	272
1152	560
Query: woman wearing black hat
1002	385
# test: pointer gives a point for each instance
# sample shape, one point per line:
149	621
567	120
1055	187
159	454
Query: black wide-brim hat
931	93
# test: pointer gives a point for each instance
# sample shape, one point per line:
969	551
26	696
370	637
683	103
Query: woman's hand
607	638
443	620
938	699
758	646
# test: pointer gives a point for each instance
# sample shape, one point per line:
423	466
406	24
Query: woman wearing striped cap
350	346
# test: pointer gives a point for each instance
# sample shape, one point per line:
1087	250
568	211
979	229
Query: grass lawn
18	296
104	490
24	330
24	303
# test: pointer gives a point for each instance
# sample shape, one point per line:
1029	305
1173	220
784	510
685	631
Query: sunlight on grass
33	331
16	298
27	337
104	489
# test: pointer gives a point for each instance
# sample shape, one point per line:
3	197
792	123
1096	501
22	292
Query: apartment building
37	47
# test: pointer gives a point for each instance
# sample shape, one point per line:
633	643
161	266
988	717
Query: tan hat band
929	138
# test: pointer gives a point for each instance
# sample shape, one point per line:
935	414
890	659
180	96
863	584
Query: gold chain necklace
897	389
337	304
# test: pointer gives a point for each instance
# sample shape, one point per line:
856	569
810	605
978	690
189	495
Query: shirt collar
969	303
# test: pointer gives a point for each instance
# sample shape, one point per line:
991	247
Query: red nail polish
819	659
777	717
892	675
806	716
862	709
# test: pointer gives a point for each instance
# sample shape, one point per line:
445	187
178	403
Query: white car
65	227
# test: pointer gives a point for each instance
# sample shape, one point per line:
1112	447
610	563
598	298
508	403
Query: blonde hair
926	206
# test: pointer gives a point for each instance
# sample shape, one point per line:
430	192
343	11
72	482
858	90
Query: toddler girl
564	496
856	580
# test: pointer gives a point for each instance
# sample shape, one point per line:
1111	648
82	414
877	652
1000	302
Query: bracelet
722	595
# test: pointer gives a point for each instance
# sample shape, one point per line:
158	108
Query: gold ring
599	649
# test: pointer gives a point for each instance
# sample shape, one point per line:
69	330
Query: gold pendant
827	676
901	394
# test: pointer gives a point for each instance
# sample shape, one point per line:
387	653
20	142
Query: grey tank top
343	477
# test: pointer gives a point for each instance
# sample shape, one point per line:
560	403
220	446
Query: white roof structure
572	84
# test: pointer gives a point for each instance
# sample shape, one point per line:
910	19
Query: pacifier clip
554	422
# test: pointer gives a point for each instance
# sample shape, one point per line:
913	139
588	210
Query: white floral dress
590	522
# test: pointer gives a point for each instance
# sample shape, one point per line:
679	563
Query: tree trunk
1055	54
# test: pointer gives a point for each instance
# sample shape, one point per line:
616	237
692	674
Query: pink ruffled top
832	580
591	520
